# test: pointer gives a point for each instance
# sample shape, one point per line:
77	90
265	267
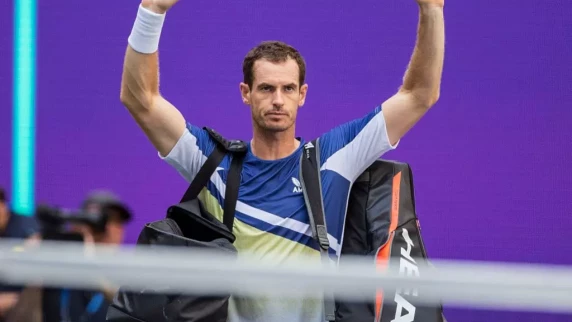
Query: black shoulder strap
204	174
312	187
232	185
238	150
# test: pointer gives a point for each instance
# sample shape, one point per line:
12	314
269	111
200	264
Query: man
271	219
118	215
89	305
12	226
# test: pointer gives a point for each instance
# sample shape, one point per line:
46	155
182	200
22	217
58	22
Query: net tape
524	287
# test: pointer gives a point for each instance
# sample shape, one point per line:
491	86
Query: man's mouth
275	113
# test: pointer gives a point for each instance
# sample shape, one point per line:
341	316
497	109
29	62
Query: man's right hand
158	6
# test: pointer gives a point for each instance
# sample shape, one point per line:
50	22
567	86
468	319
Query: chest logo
297	185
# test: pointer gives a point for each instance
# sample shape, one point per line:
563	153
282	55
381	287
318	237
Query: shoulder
202	140
190	151
192	139
351	147
195	146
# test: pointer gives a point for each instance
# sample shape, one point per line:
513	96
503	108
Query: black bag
380	222
188	224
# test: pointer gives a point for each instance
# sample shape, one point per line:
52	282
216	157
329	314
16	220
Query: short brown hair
274	51
2	195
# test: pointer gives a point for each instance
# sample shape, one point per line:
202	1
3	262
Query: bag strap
237	149
231	194
312	187
204	174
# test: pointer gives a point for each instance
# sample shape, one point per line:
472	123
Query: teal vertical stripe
24	101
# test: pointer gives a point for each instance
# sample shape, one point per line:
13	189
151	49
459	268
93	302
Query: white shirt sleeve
190	152
352	147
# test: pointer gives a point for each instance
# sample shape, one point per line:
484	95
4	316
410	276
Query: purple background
489	159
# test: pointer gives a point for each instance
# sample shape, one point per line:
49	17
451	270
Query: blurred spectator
57	305
118	215
15	226
90	305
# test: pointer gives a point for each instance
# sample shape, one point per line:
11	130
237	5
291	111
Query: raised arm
160	120
422	81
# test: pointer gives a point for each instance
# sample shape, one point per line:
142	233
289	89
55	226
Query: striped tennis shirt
271	221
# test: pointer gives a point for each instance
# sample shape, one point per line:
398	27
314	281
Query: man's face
112	235
275	95
114	232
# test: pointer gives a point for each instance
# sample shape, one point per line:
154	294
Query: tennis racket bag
187	224
381	224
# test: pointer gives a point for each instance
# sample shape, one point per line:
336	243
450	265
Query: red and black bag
381	223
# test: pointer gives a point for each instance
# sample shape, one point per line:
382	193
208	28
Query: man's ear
303	92
245	93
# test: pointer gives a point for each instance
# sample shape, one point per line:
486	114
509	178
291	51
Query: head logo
297	185
408	267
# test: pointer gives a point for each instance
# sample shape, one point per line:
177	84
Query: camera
55	221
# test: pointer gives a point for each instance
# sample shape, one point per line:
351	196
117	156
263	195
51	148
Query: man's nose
277	99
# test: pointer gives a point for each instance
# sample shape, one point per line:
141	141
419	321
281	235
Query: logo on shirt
297	185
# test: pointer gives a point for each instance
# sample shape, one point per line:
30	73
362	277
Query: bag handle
312	187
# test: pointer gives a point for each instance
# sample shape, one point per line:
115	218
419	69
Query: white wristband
144	37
